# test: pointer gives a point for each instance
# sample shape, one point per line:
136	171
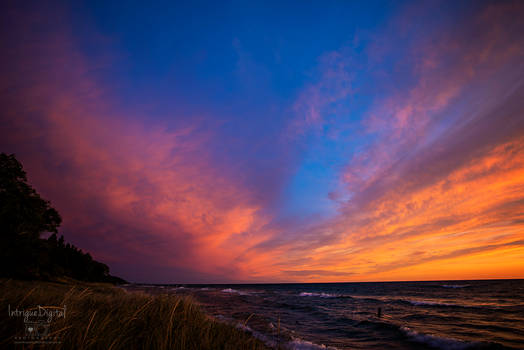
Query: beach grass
101	316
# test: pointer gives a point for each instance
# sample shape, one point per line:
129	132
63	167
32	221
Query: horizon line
266	283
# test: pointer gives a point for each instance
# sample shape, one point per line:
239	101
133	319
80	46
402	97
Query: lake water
413	315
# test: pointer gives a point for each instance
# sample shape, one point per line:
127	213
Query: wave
406	301
413	302
438	342
230	290
454	286
321	295
428	303
434	341
451	305
300	344
177	288
294	344
262	337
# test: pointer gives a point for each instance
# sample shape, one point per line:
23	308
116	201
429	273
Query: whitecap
436	341
428	303
300	344
269	342
230	290
177	288
321	295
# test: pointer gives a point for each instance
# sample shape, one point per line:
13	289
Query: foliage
100	316
22	211
24	217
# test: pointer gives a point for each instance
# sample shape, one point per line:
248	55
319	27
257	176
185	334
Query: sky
243	141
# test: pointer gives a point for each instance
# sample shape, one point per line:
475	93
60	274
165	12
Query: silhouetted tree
24	216
22	211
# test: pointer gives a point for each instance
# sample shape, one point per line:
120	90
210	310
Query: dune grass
100	316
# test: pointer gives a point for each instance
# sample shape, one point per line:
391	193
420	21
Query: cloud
315	273
442	178
137	195
433	190
325	97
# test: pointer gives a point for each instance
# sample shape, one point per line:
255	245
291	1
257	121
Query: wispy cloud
137	196
445	156
433	189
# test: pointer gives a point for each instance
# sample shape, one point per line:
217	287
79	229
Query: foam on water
321	295
414	315
428	303
262	337
300	344
230	290
437	341
177	288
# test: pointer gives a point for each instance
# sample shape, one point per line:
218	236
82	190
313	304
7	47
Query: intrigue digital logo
37	323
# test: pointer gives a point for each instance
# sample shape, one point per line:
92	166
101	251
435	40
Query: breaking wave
320	295
428	303
438	342
230	290
300	344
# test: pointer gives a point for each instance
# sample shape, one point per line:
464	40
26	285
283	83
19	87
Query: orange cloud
136	196
440	193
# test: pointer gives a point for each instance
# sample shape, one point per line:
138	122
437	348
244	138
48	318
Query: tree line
24	218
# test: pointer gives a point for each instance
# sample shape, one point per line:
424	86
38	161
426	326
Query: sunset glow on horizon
336	142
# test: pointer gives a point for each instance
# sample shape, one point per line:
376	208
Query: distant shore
80	315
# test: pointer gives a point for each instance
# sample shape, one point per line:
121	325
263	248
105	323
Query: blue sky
245	62
235	141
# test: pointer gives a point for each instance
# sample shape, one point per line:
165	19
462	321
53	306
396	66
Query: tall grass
100	316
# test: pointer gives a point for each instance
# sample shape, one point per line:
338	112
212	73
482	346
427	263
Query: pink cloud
442	181
136	196
440	184
323	97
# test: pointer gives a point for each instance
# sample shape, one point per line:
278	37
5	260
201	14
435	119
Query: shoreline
274	337
100	315
414	315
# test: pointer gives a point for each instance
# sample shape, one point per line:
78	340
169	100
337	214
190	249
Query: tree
24	216
22	211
